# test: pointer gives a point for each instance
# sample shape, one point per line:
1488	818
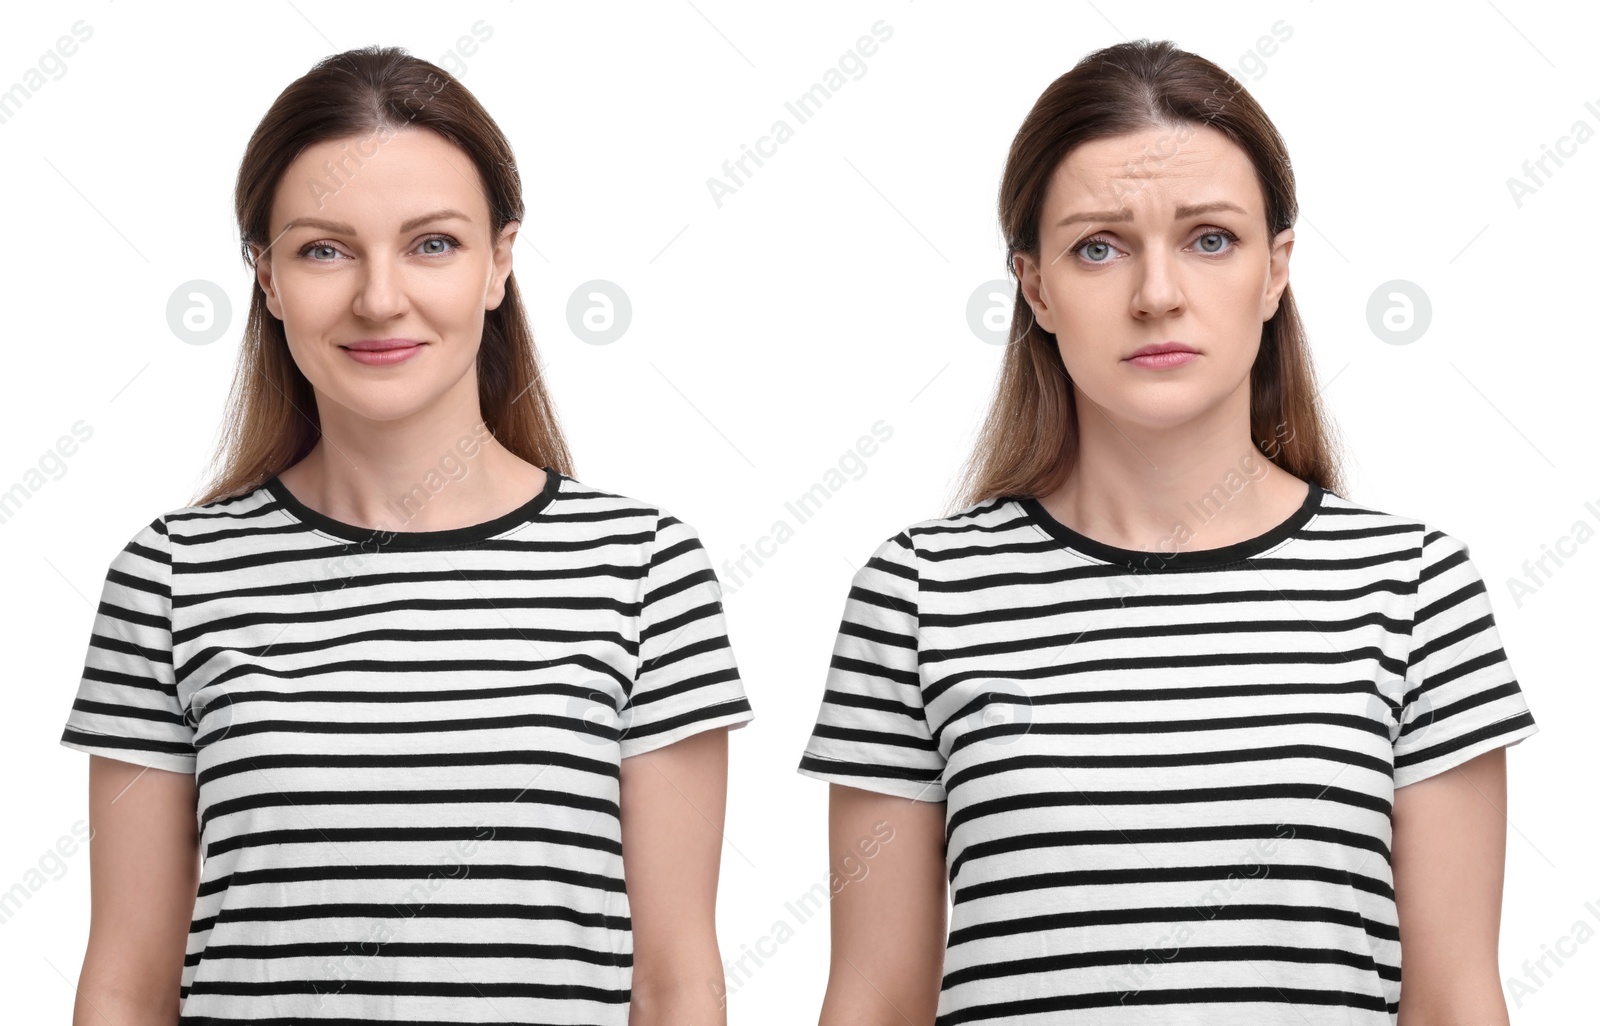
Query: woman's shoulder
150	546
583	498
1343	519
605	515
967	530
248	506
158	530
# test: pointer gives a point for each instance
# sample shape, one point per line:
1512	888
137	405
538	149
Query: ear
263	267
501	269
1026	266
1277	274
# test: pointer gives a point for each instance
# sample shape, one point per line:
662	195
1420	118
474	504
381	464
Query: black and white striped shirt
1168	777
407	745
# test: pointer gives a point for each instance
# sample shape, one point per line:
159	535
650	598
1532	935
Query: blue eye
1093	240
440	238
306	250
1222	234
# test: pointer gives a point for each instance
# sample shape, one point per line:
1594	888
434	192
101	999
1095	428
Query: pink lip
368	344
1161	347
379	352
1162	354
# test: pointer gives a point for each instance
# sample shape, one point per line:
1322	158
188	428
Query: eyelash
1233	240
328	245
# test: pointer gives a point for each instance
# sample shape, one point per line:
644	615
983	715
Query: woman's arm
1449	869
888	912
673	800
144	866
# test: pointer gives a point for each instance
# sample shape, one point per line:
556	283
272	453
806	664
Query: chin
380	408
1161	408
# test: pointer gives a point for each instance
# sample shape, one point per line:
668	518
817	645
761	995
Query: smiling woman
342	280
448	733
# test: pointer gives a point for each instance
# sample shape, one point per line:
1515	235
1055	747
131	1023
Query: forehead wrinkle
1100	198
1095	196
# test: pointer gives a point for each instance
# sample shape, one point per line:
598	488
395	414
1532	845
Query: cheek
449	299
1246	285
1083	303
313	359
311	303
313	312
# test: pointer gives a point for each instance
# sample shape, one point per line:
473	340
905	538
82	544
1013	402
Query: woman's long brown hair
1029	440
271	418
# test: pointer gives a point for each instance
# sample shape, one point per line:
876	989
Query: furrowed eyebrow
344	229
1127	215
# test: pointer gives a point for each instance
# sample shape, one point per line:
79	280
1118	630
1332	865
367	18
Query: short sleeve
127	705
872	731
1462	698
687	680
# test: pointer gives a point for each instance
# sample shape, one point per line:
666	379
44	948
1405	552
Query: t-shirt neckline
387	539
1138	560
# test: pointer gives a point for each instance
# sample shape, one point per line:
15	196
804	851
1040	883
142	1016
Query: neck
1202	484
427	473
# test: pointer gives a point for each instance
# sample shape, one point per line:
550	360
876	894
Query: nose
381	295
1158	290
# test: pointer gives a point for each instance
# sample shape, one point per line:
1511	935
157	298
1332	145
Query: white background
827	293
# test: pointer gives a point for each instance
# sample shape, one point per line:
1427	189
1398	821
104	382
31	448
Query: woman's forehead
378	183
1123	173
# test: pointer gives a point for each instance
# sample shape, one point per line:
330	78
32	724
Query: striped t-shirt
1168	776
407	745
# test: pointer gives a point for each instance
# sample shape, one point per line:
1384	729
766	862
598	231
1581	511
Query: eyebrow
344	229
1127	215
